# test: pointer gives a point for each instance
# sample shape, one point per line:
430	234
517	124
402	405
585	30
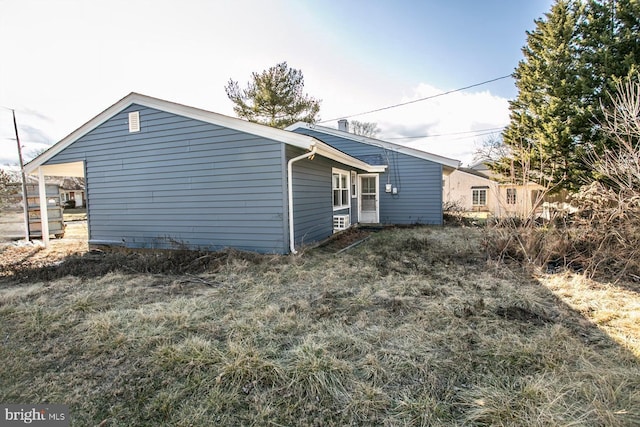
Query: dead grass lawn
412	327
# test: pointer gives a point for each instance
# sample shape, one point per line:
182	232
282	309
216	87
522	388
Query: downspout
292	244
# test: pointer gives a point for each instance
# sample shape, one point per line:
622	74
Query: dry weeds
412	327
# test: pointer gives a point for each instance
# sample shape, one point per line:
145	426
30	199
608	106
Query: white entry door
368	200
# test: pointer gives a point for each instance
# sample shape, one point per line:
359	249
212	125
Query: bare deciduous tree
368	129
618	168
491	149
5	190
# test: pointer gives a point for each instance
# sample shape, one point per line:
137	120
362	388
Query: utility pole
24	180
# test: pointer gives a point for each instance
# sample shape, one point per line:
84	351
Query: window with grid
340	189
479	197
511	196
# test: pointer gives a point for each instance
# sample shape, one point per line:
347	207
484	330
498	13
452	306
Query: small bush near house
454	214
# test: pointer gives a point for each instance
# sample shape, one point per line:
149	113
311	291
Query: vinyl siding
181	181
419	182
313	200
312	206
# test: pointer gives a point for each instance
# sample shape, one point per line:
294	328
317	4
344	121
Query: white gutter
292	244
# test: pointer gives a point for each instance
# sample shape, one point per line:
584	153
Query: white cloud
76	59
450	124
454	114
34	131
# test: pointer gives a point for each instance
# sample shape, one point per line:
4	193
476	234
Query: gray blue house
164	175
408	191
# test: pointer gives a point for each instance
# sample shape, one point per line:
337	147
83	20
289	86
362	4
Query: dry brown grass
412	327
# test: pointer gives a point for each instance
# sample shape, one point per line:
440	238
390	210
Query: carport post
44	214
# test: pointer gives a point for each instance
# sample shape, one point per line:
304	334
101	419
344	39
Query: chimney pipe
343	125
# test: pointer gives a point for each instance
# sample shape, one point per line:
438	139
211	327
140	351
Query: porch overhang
75	169
328	151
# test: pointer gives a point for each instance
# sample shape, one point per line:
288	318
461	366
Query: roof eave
291	138
445	161
329	152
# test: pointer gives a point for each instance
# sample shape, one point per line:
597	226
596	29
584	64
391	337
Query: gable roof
444	161
290	138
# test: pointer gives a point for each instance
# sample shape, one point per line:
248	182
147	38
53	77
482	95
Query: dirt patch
76	230
22	256
522	315
344	239
75	214
66	257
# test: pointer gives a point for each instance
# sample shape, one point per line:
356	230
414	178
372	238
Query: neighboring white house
72	188
475	190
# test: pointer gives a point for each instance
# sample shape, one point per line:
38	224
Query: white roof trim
445	161
328	151
290	138
475	173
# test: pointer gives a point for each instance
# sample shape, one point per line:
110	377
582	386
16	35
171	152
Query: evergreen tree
608	52
623	56
546	115
573	58
274	97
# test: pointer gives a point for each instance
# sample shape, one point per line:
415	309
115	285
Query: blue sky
65	61
449	44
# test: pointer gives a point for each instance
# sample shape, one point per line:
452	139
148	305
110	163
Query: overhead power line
419	100
473	136
488	130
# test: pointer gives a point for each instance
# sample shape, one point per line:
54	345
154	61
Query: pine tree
274	97
573	59
546	116
624	51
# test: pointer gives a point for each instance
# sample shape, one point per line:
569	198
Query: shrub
603	237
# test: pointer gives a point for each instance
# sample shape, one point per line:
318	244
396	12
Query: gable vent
134	121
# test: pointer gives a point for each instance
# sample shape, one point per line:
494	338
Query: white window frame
354	185
342	188
511	196
475	200
377	194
